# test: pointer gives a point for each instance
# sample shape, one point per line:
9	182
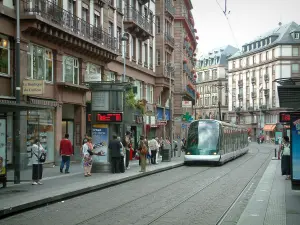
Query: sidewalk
273	202
24	196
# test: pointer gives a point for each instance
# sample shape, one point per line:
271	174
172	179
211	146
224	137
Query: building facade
212	83
62	43
253	97
165	44
184	61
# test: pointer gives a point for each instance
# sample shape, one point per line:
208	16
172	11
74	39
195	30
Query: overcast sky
248	19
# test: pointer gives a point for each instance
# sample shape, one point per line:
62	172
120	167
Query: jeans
65	159
153	156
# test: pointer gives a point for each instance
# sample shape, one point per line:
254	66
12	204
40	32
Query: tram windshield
203	136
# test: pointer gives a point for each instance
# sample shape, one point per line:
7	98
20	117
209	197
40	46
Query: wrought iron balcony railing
169	39
169	7
131	14
51	12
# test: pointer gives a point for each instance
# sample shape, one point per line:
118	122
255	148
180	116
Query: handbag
90	152
144	150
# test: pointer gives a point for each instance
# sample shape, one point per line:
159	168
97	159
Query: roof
280	35
222	52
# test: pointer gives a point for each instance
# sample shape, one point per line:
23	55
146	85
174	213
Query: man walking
153	146
66	150
115	151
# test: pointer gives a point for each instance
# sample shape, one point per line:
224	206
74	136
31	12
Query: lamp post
124	38
220	86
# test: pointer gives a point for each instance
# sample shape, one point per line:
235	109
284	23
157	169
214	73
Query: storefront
161	123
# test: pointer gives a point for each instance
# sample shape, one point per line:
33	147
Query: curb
42	202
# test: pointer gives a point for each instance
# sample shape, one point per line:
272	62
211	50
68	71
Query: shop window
71	70
40	63
4	55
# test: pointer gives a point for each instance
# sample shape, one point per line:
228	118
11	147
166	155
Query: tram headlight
214	153
188	153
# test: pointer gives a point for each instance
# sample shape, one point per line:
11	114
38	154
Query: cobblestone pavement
185	195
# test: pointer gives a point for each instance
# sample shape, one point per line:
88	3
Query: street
205	195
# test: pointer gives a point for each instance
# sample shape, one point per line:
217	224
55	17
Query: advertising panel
295	146
100	140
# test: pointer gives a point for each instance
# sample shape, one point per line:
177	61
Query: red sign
109	117
284	117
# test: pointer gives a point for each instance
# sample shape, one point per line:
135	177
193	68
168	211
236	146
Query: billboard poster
295	150
100	140
2	147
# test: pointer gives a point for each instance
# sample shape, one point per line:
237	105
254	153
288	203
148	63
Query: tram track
171	184
207	186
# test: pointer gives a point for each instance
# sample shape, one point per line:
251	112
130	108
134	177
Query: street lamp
220	86
124	38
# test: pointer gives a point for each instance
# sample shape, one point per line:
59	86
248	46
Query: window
4	55
146	53
157	22
295	68
159	100
97	22
111	76
273	53
253	58
70	70
119	5
247	61
267	55
297	35
157	57
149	91
71	6
133	48
151	56
40	63
119	33
93	72
111	29
260	58
140	92
84	15
140	51
295	51
241	62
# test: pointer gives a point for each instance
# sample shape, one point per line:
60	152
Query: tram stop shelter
16	142
289	97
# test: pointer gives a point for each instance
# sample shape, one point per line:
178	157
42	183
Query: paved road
186	195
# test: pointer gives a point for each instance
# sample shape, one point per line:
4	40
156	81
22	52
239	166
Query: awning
269	127
14	107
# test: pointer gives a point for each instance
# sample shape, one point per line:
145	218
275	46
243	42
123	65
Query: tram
215	141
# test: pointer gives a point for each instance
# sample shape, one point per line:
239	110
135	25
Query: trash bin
166	153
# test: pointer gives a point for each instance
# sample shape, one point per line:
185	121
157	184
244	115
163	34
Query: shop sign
2	147
33	87
100	140
162	122
93	77
186	104
100	101
43	102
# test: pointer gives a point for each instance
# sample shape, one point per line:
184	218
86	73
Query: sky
248	20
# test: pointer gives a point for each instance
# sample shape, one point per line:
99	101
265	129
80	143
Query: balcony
253	94
137	24
169	40
253	80
263	107
266	92
240	96
169	8
266	77
251	109
46	20
240	83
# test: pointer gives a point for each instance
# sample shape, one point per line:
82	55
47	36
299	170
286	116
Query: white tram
215	141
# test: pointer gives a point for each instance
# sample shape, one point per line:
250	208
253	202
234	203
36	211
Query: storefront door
68	128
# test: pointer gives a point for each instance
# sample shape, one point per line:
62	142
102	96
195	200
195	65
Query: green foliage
130	99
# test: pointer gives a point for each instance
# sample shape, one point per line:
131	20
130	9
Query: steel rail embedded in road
198	191
152	192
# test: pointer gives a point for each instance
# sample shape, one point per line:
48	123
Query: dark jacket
115	148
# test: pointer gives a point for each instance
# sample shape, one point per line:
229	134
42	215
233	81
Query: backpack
42	157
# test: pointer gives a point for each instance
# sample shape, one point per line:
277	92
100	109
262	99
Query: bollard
275	152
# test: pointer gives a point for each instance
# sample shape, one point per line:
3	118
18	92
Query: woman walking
286	158
87	151
38	159
143	150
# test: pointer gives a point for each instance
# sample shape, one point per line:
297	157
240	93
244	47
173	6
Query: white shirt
153	145
37	150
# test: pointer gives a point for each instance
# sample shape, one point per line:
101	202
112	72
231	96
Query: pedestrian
114	147
38	158
122	158
143	150
66	150
286	158
87	151
153	147
127	144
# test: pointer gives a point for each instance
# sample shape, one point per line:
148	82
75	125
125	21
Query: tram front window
203	138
